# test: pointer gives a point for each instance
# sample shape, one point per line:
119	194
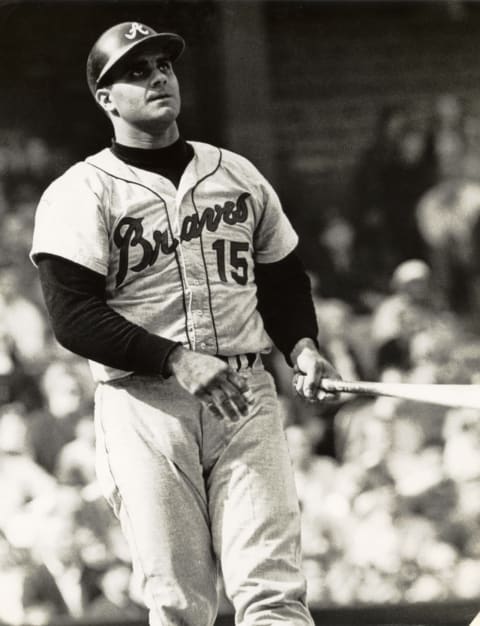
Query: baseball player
171	267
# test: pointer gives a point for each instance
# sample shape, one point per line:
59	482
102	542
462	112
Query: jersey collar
205	162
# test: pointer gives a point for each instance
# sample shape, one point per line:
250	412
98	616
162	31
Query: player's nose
158	77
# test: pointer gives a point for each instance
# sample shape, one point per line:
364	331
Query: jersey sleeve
274	236
70	223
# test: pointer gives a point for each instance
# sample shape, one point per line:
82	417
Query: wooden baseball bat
461	396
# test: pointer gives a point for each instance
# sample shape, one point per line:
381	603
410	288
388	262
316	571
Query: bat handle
345	386
333	386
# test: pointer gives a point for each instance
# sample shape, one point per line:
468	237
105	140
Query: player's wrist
304	344
174	359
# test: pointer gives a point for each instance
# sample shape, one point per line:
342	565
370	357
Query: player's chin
166	118
163	107
158	120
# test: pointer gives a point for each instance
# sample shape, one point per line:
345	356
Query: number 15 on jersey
231	260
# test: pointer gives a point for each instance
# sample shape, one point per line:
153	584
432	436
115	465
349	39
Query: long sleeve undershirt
85	324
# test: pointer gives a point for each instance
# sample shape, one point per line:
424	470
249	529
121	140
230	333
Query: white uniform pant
194	493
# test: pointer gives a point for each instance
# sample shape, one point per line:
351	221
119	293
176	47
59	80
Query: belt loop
240	361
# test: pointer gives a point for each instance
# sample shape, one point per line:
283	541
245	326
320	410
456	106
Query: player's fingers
239	400
210	401
311	385
225	404
228	408
325	396
242	397
212	407
231	394
307	386
298	381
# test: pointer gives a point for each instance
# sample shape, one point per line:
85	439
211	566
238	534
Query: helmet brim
170	43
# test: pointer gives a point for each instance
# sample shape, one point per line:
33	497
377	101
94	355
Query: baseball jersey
177	261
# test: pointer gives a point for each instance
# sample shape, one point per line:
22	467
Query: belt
240	361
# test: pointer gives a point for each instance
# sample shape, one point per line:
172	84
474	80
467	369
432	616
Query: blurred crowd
389	489
61	551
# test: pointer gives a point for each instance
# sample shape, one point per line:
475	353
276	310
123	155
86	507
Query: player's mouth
158	97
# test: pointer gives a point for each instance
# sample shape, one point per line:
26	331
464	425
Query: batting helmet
118	41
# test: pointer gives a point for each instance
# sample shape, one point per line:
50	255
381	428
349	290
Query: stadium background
298	87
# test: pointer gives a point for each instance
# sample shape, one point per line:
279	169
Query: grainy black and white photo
239	313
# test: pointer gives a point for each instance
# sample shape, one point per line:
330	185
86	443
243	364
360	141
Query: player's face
145	92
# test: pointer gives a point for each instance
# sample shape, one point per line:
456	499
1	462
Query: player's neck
137	138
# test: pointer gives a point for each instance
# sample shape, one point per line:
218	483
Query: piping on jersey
134	182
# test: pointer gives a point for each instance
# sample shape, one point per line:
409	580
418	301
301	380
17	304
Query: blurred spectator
362	432
466	579
323	499
462	444
75	463
16	383
375	543
448	133
21	321
28	162
336	335
414	466
391	175
59	583
471	158
115	601
21	479
310	469
448	216
65	403
337	238
401	317
13	562
337	264
367	194
410	174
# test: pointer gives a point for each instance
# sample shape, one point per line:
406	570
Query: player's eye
137	72
142	70
164	66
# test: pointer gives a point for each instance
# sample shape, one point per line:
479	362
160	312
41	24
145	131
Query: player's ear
104	99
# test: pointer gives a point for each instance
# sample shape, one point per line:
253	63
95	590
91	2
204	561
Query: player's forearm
84	324
285	303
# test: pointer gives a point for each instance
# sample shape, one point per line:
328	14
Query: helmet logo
136	28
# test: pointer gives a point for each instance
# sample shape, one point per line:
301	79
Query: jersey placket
200	324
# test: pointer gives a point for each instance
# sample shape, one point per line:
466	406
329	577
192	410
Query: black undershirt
85	324
170	161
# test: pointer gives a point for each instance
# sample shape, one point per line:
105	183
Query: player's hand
310	367
224	392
